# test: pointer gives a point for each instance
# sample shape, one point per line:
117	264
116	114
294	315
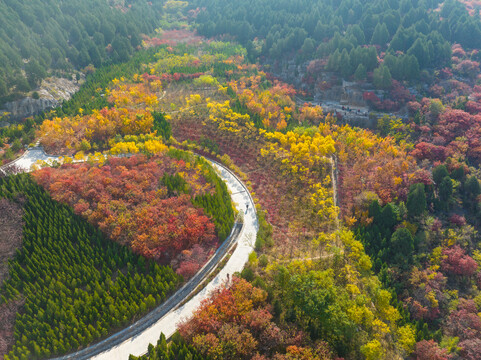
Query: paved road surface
30	157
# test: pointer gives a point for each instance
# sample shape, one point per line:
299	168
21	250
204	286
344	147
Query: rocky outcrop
28	106
52	93
349	95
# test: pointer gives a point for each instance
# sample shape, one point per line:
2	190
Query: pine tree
382	77
380	35
416	202
360	73
402	246
345	64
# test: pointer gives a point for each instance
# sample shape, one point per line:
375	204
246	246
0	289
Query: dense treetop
177	348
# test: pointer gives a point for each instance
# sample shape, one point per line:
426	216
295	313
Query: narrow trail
136	338
335	195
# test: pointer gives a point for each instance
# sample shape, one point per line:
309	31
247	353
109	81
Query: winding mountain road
136	338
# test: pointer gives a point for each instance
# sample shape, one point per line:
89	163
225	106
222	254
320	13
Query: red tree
457	262
430	350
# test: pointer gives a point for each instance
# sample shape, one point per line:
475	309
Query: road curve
28	158
165	318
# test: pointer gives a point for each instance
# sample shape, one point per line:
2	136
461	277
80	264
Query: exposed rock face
345	95
27	107
59	88
52	93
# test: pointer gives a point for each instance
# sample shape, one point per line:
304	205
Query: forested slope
414	35
171	207
37	36
166	204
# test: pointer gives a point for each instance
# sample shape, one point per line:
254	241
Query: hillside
161	205
54	37
153	205
369	240
64	272
392	50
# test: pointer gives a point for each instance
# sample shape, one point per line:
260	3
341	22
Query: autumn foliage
78	133
236	322
128	201
274	106
447	132
130	115
457	262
